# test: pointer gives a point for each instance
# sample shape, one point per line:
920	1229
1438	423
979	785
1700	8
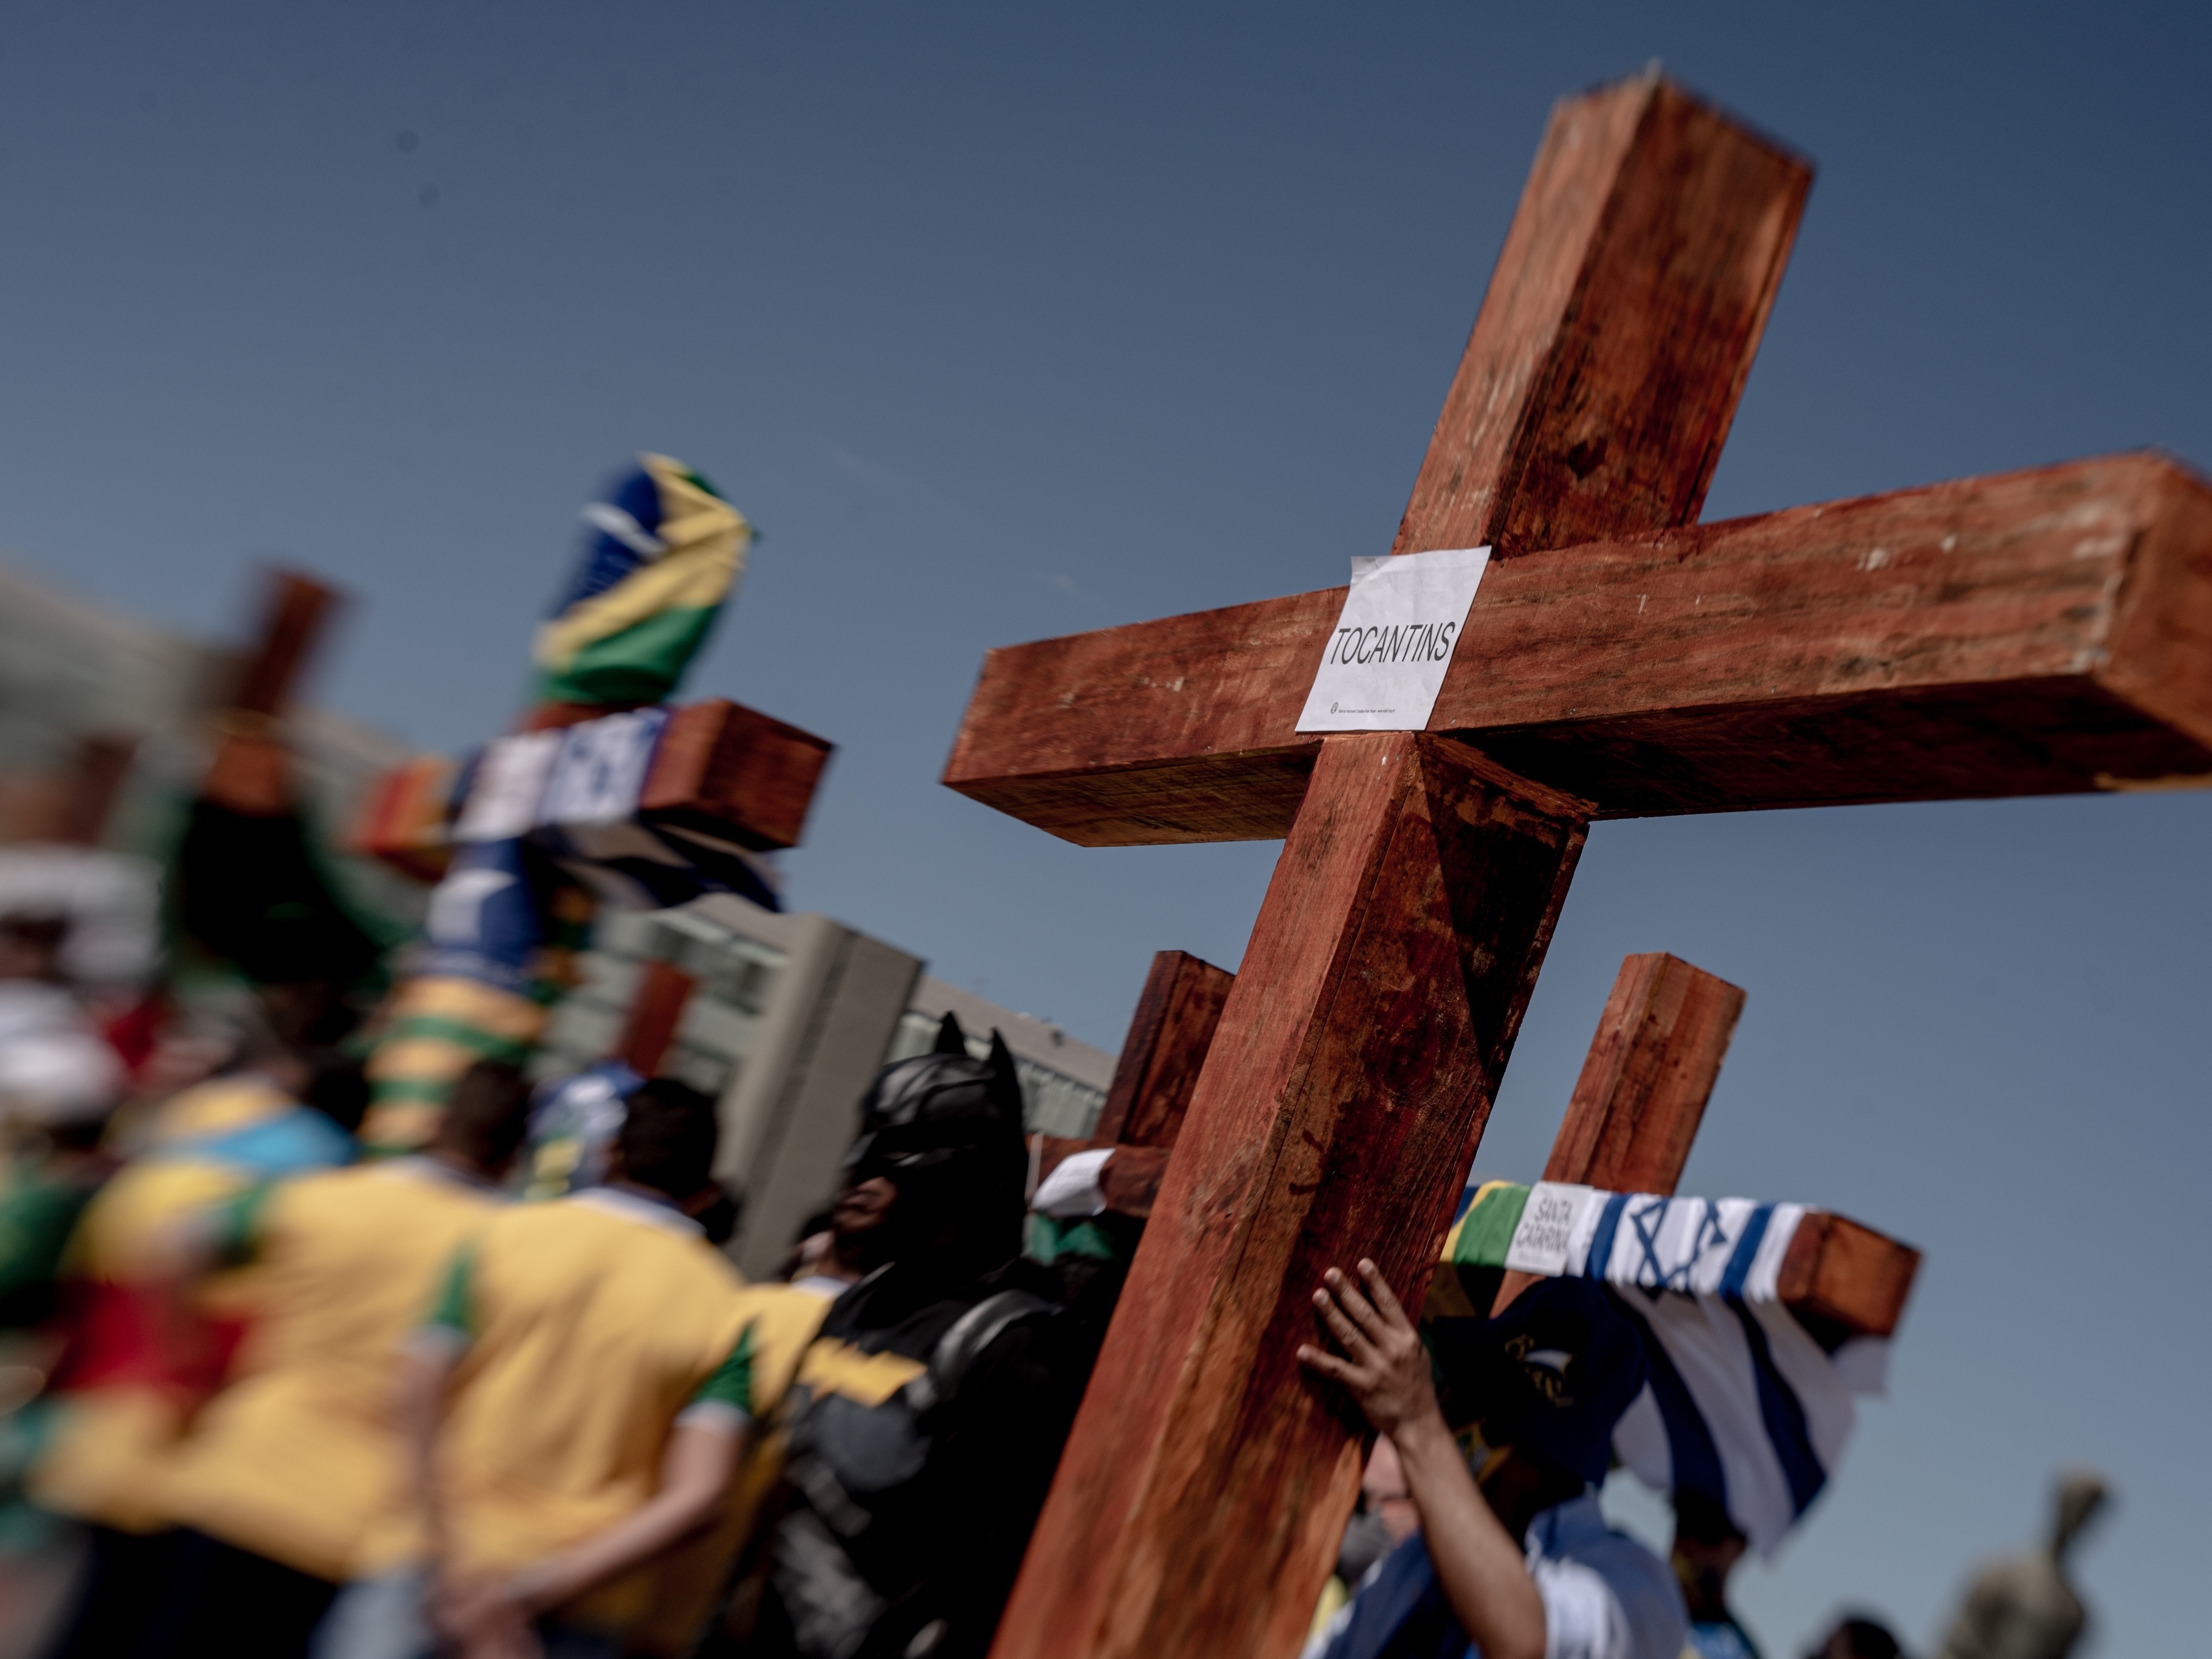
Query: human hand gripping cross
1385	1369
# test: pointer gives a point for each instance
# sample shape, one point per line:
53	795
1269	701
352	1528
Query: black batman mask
929	1111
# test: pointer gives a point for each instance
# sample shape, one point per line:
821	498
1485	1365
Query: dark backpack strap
973	1332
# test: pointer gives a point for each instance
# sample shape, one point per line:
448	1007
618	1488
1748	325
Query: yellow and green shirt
586	1329
301	1459
780	1323
126	1401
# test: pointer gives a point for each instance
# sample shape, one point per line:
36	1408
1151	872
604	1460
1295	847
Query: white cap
56	1076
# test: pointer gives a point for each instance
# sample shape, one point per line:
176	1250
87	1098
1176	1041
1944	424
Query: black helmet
928	1113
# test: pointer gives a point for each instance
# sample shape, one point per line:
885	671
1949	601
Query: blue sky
1012	321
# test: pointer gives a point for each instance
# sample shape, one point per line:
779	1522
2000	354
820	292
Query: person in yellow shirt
693	1583
295	1473
582	1396
138	1362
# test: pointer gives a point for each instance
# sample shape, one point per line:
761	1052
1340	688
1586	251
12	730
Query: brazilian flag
664	552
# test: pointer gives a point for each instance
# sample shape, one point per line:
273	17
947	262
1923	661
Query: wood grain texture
656	1009
1197	1507
2043	632
1177	1012
1848	1277
1604	367
1650	1069
726	770
1199	1503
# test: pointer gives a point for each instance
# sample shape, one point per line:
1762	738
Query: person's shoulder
311	1195
1608	1596
531	1227
413	1185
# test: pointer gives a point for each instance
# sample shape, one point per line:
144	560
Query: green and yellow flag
665	552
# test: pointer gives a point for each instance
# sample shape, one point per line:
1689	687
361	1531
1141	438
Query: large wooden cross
2038	633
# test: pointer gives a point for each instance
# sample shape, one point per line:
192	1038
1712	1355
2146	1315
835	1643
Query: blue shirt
1605	1597
1720	1638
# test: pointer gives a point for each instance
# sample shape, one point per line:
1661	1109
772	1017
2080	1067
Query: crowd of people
295	1400
298	1400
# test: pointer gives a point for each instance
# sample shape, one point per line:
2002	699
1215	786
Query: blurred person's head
58	1090
1386	1517
186	1053
486	1117
667	1140
718	1210
338	1086
31	946
1383	1491
245	1045
939	1168
813	1252
1856	1637
1707	1547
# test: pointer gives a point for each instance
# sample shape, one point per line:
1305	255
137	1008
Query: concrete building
70	670
793	1016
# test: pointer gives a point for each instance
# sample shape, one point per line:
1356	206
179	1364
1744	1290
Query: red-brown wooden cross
2036	633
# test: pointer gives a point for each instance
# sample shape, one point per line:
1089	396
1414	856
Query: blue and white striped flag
1744	1404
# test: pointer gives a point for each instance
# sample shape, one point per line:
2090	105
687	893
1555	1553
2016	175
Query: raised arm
1386	1370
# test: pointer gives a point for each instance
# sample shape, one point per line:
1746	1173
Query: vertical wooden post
251	771
1200	1498
1356	1058
1645	1083
295	608
1650	1070
1169	1035
664	990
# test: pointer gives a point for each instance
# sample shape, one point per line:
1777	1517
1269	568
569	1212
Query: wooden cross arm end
1846	1277
2043	632
406	816
726	770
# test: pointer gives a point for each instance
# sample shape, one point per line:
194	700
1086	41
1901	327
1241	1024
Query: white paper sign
1557	1218
601	769
510	781
1386	661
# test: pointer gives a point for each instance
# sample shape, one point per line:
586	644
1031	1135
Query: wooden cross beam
2042	632
1634	1114
68	805
720	769
1629	1124
656	1010
1154	1078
